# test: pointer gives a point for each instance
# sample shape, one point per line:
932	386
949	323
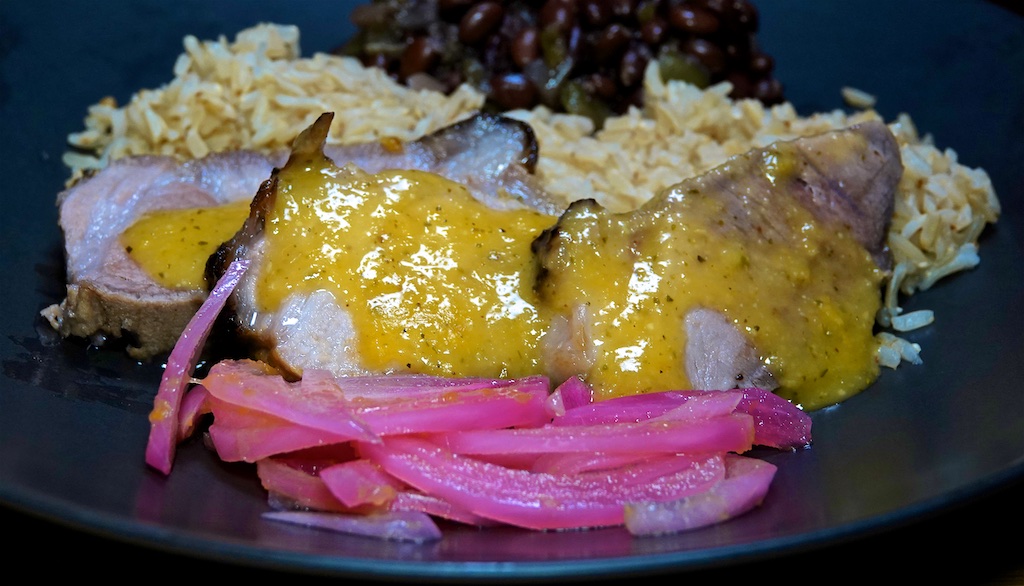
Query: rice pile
257	92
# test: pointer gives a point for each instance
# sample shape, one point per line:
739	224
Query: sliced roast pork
491	156
110	296
783	247
762	272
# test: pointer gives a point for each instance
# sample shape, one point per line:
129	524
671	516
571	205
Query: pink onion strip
322	405
408	500
394	525
527	499
243	435
727	433
744	487
778	423
299	488
575	463
193	406
381	388
360	482
575	392
250	444
163	419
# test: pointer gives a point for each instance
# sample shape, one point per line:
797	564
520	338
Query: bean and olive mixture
579	56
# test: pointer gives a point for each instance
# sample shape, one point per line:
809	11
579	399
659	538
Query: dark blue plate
920	442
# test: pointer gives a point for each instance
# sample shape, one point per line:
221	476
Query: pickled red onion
396	525
583	467
727	433
382	455
526	499
778	423
744	487
164	417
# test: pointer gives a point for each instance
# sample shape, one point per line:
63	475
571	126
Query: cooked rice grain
258	92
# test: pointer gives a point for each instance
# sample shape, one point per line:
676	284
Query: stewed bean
420	55
525	47
653	31
693	19
596	12
480	21
512	90
558	15
582	56
611	42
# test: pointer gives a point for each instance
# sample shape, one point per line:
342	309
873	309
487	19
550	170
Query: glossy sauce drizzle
437	282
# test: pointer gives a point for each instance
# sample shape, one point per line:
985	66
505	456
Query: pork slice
719	356
492	156
852	192
845	178
107	294
855	192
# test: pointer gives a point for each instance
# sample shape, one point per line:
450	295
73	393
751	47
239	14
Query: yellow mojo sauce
435	281
172	245
806	295
438	283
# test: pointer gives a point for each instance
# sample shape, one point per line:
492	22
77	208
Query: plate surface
920	441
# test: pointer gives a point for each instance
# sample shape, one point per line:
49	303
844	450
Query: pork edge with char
108	295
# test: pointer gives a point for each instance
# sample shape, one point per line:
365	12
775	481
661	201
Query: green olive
575	99
552	46
678	66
